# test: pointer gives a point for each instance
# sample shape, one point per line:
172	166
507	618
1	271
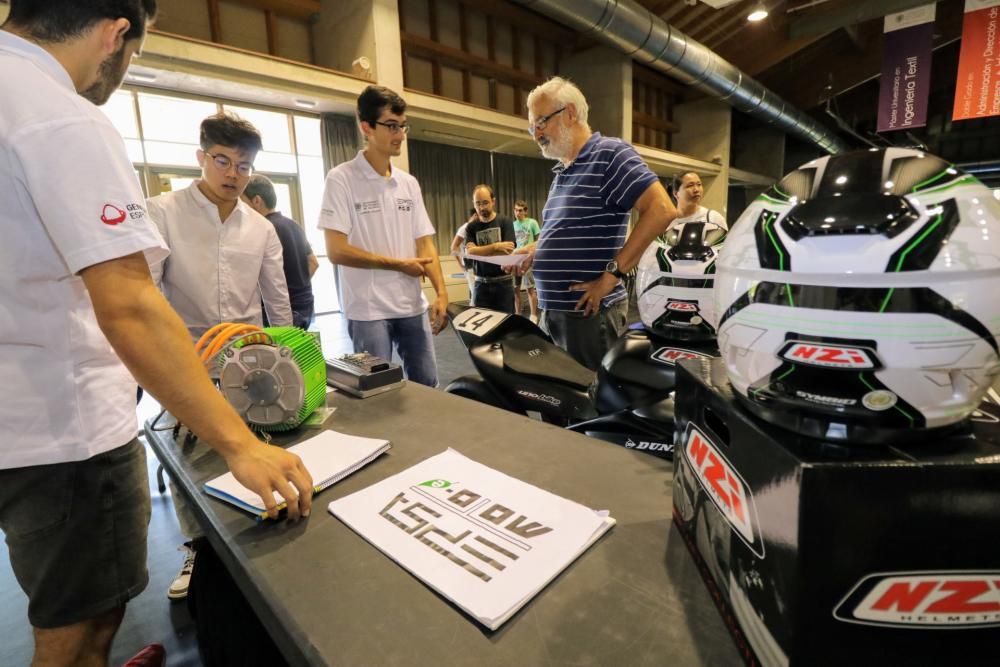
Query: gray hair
564	92
261	185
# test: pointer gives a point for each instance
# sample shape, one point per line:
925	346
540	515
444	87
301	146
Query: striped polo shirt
585	219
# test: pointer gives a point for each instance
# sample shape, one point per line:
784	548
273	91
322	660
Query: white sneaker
179	587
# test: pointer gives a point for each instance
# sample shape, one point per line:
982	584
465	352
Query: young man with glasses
582	252
378	233
82	321
225	259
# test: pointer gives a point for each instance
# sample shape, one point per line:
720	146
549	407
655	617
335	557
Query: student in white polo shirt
80	311
378	231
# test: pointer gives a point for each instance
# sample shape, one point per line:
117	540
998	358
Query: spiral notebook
329	457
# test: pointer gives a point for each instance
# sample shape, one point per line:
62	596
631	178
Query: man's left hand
593	292
439	314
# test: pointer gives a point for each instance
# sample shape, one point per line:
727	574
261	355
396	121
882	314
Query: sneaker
179	587
153	655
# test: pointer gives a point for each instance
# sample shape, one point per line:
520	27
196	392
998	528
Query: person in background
82	322
225	260
298	259
526	232
487	235
689	191
582	252
458	250
378	231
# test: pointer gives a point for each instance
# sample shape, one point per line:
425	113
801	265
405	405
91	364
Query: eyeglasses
540	123
395	128
224	163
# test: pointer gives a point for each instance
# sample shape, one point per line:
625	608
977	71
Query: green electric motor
274	378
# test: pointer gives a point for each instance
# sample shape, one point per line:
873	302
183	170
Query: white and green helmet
674	282
856	297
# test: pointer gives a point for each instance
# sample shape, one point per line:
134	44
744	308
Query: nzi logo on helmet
724	486
947	599
682	306
828	356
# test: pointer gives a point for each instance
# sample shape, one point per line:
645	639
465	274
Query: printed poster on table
906	69
977	87
486	541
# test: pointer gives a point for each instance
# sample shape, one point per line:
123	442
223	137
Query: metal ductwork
637	32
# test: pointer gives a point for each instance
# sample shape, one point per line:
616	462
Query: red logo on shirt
112	215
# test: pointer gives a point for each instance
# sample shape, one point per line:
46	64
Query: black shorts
76	533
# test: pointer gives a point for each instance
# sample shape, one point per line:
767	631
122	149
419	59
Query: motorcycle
628	401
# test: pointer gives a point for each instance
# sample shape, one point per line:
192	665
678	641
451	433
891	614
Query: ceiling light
305	104
758	14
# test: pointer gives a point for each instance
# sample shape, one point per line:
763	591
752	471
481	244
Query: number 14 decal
479	321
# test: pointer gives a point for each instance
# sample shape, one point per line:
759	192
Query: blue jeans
409	336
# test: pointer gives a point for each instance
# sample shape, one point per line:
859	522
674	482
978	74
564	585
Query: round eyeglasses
223	162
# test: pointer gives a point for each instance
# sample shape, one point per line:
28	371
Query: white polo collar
21	47
368	171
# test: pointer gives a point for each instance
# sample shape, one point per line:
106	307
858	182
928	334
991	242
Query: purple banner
906	78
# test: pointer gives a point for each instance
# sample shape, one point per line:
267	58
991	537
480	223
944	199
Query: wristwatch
612	268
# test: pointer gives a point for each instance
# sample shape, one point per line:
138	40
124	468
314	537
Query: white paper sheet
499	260
486	541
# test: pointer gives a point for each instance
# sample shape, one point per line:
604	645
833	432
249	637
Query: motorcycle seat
536	357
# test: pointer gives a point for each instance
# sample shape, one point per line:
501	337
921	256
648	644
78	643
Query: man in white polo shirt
80	311
378	231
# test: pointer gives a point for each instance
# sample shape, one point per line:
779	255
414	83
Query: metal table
327	597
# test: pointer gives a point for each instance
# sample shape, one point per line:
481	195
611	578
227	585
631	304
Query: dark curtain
341	139
447	175
517	177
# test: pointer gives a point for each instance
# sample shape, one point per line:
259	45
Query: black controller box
819	553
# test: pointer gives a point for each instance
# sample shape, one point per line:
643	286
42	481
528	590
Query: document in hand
485	541
329	457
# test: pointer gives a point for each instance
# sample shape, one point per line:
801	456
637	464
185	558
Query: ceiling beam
839	16
655	122
296	9
735	21
523	18
653	78
770	44
414	45
833	66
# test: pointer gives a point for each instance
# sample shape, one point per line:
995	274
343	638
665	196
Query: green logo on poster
436	483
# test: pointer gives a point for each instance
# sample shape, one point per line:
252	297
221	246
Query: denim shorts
76	533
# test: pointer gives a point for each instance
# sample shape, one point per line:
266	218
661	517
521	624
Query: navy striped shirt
585	219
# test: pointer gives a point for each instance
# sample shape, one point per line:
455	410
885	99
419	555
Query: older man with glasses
225	258
582	252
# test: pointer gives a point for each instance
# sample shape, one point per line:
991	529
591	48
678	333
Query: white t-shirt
384	216
69	199
702	215
219	271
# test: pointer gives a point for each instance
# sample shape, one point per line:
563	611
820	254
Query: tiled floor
151	617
